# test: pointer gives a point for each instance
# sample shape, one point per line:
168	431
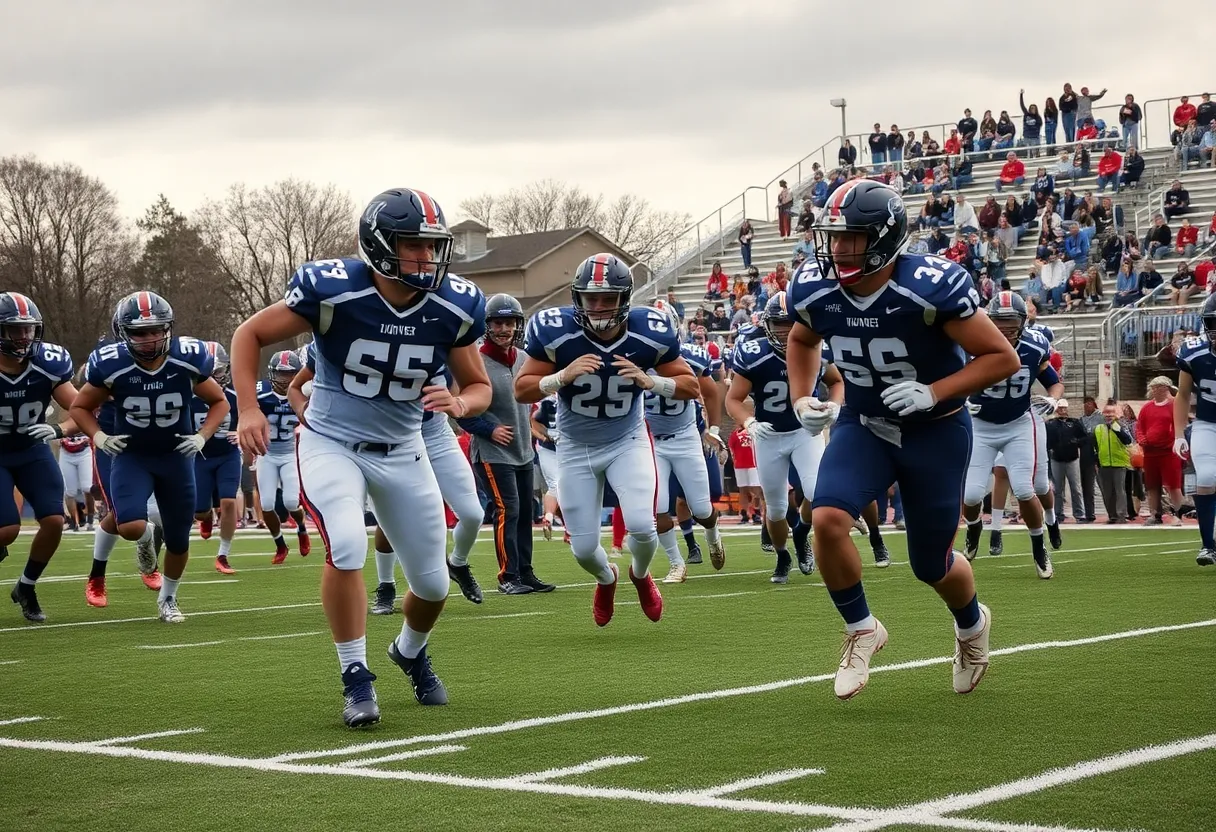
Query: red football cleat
152	581
565	537
95	592
602	605
280	555
221	566
305	544
648	595
204	528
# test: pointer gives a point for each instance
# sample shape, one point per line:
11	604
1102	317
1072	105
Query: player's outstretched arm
469	372
527	383
273	324
803	355
993	358
685	381
88	399
1050	380
209	390
737	406
711	397
65	395
297	395
835	384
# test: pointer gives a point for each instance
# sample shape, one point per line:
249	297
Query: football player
1004	424
778	439
277	469
384	326
895	324
151	376
546	436
217	470
679	455
1197	375
33	373
595	355
76	467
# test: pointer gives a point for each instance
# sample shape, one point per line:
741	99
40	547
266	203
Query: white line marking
405	755
578	716
502	615
761	780
929	811
1028	565
11	661
42	627
21	719
570	771
288	635
176	646
719	595
217	581
153	736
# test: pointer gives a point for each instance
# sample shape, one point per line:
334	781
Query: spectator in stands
895	146
716	286
913	149
1068	112
1129	121
995	254
1189	145
1054	272
1209	235
1085	104
1127	287
932	148
675	304
743	312
990	213
1184	112
1177	200
1032	124
698	322
754	284
806	217
847	155
1111	446
941	176
1008	233
878	146
1033	288
1083	221
1075	296
957	252
1150	279
718	322
746	235
1207	145
964	215
1162	467
987	136
1087	131
1203	274
1112	253
896	181
1044	185
1068	204
1051	117
1187	239
930	213
1182	284
776	280
1133	168
1065	439
1064	168
738	286
806	246
819	190
937	241
1006	132
1030	214
1108	170
947	205
1206	111
1011	211
1080	159
1095	293
785	207
966	131
1108	216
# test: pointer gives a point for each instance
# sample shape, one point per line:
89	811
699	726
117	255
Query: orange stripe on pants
500	522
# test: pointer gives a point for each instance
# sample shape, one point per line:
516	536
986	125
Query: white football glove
908	397
1182	448
112	445
973	408
756	429
42	432
190	445
306	388
713	438
815	415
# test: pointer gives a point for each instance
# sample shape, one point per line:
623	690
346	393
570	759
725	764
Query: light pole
842	104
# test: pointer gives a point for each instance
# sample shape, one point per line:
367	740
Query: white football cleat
855	655
717	553
616	553
169	613
677	575
145	555
971	656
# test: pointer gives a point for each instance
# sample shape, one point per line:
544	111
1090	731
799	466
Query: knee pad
584	548
468	508
974	495
429	582
779	507
928	563
346	547
650	538
1023	491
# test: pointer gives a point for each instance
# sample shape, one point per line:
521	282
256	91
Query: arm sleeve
478	425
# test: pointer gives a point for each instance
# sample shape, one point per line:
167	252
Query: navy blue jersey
25	397
1007	400
310	357
1195	357
217	445
153	406
1042	329
670	416
546	414
601	408
893	335
372	360
756	361
281	418
107	413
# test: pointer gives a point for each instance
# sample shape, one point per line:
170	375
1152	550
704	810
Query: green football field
1098	711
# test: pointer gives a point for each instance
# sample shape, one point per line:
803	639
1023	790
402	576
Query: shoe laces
360	692
969	652
848	650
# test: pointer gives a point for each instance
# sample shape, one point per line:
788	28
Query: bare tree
261	236
63	243
647	234
480	208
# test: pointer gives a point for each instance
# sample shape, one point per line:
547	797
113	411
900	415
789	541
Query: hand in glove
815	415
190	445
713	439
908	397
1182	448
757	430
42	432
112	445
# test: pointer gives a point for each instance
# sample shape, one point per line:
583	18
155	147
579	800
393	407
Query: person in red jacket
716	286
1012	173
1108	169
1187	239
1184	112
743	455
1155	435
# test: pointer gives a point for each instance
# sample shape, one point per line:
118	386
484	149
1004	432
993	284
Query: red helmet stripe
599	269
145	305
841	193
211	347
428	207
23	306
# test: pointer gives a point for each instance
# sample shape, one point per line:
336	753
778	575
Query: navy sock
279	541
792	517
875	535
968	615
690	539
1205	507
800	531
851	603
99	569
33	570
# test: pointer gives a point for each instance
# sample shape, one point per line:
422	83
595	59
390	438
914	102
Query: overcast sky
684	102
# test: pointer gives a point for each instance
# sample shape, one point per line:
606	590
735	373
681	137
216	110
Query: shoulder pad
749	351
697	357
544	327
54	360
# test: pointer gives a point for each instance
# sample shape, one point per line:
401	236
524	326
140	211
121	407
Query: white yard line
225	641
153	736
42	627
21	719
10	661
288	635
1031	564
177	646
582	768
771	779
216	581
502	615
579	716
405	755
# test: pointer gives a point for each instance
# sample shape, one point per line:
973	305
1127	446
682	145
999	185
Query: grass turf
906	739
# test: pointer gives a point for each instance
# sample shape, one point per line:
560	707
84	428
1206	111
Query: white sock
971	631
1049	516
146	537
225	546
352	652
103	544
386	563
998	514
976	522
464	535
549	517
712	534
411	642
641	550
670	543
154	512
168	588
1036	532
866	623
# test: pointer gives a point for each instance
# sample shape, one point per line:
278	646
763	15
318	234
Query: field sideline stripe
578	716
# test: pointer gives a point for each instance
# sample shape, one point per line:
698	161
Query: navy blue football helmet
601	274
223	368
777	321
20	325
405	215
502	306
138	314
1208	316
282	368
1008	311
863	206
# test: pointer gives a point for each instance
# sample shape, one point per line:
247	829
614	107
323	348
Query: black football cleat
995	545
802	549
25	595
514	588
428	690
882	557
463	576
3	552
386	600
781	574
972	546
1053	534
361	708
536	583
694	554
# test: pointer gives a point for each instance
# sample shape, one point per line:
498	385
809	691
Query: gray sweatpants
1070	472
1112	483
